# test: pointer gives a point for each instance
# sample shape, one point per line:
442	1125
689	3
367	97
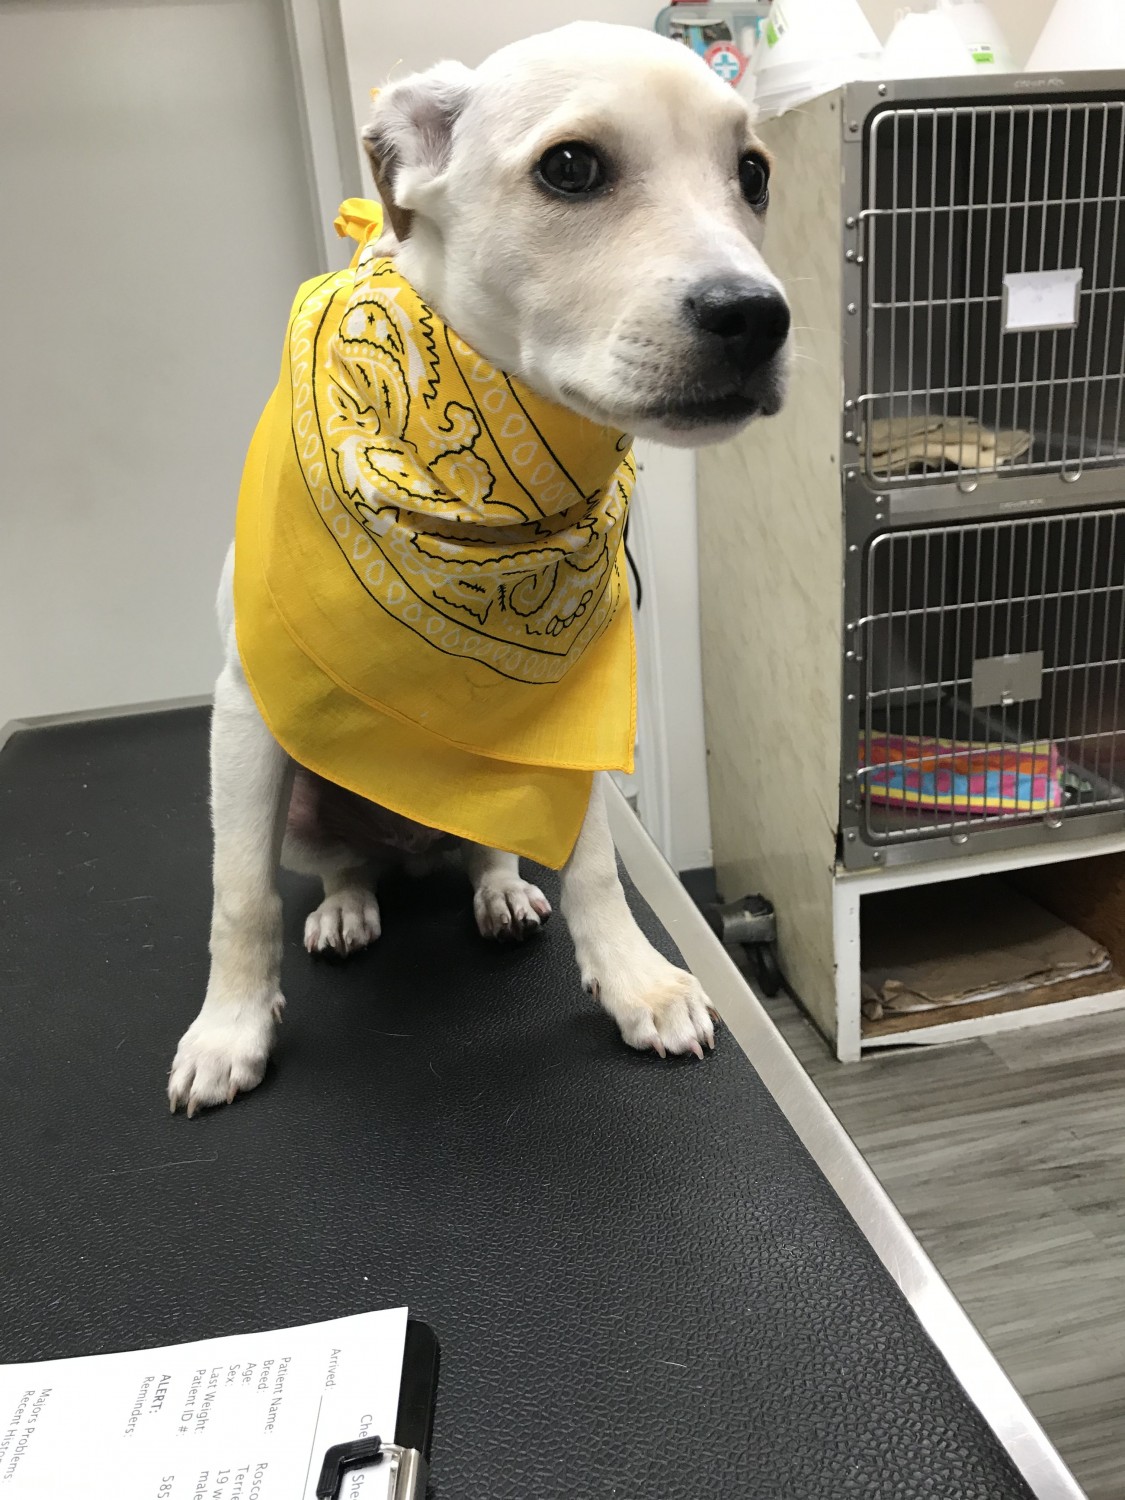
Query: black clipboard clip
414	1427
408	1477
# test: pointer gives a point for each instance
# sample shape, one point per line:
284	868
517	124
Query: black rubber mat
643	1286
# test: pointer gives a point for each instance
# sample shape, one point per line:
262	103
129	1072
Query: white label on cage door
1038	300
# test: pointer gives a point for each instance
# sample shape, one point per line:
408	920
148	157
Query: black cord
639	590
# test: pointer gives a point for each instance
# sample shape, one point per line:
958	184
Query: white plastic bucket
809	47
925	44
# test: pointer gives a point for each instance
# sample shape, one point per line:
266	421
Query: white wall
155	223
386	41
671	783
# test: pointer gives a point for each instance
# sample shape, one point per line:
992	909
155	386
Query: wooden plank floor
1007	1158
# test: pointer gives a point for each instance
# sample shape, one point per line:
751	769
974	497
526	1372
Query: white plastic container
945	39
808	48
981	35
925	44
1081	34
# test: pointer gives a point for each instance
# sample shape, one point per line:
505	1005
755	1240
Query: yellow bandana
430	601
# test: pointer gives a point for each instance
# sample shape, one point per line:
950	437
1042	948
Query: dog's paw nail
696	1050
343	923
659	1048
507	909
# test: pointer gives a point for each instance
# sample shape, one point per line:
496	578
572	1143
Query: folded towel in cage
902	445
960	776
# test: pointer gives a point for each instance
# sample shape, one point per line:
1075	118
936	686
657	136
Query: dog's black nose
749	317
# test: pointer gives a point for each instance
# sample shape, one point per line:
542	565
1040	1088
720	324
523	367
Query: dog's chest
320	812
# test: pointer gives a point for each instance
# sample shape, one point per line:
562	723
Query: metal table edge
941	1315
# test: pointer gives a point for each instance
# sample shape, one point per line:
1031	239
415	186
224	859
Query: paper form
248	1417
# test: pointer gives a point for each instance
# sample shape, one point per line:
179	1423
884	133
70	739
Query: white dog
585	210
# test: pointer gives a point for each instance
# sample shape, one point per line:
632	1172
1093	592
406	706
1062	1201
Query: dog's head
586	210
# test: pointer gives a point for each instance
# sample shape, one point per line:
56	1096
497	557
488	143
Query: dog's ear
409	135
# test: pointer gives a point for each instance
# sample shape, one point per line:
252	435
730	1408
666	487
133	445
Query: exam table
651	1280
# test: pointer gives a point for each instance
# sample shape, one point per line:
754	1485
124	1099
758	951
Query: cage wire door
994	254
992	659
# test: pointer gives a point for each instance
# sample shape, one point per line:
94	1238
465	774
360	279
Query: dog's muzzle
739	329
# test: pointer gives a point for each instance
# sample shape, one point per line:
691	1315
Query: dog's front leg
227	1046
505	905
655	1004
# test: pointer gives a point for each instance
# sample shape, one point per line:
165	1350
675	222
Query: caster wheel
763	957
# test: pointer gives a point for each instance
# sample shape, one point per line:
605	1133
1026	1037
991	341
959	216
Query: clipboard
409	1454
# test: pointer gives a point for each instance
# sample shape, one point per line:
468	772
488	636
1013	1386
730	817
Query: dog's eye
572	169
754	179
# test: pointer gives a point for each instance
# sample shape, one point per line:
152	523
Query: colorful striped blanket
960	776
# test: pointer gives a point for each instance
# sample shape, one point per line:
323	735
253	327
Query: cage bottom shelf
891	1026
942	959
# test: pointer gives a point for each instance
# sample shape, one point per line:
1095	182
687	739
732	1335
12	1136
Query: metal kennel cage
984	448
992	668
995	289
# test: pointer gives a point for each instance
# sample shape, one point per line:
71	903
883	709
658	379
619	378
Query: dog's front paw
507	907
222	1055
344	922
658	1007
